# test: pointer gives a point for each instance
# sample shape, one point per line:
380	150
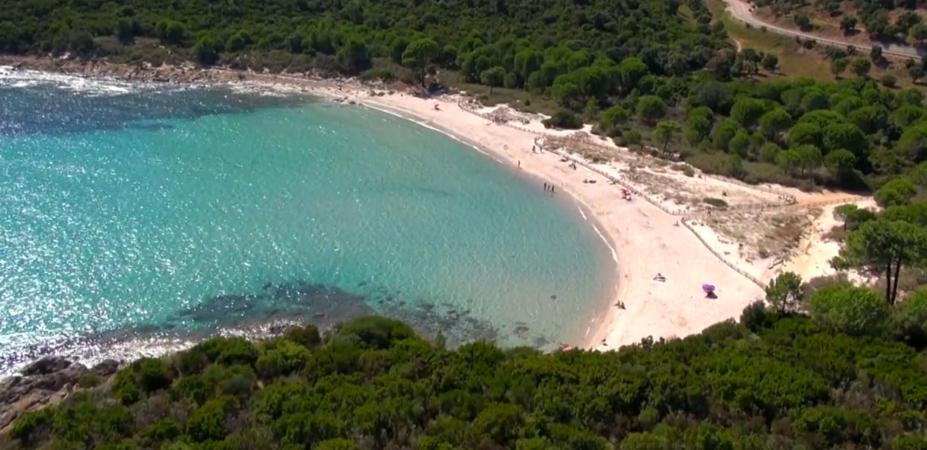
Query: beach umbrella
708	288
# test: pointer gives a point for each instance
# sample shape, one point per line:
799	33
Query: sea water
130	209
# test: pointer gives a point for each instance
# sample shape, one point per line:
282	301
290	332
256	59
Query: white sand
644	239
814	253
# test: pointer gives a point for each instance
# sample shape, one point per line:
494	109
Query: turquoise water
193	210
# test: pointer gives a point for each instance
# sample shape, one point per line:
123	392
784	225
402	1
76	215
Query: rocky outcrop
42	383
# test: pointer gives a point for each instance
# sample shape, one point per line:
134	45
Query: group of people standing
549	188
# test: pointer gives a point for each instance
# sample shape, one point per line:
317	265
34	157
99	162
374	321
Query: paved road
740	10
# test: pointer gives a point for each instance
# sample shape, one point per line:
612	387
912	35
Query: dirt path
741	10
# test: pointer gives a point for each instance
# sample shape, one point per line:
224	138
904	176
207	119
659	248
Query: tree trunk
895	286
888	283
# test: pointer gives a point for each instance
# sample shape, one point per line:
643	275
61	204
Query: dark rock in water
106	367
46	365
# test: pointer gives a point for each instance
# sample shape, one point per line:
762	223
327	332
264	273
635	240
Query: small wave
98	86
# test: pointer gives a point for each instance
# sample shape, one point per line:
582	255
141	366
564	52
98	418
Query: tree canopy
775	381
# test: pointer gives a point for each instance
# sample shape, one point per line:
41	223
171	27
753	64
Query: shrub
238	382
375	331
163	430
152	374
191	361
30	423
125	388
206	51
502	422
193	388
337	444
89	380
650	108
909	319
565	120
612	118
286	357
898	191
889	81
847	309
716	202
631	137
229	351
307	336
754	316
207	423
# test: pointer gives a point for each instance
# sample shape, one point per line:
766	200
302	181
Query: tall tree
492	77
784	292
419	54
666	130
884	246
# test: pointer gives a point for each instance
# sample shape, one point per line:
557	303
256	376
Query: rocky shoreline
188	74
46	382
183	74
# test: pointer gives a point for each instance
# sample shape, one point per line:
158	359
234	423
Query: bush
89	380
912	441
285	358
207	423
337	444
716	202
754	316
375	331
501	422
191	361
307	336
29	423
193	388
163	430
851	310
898	191
152	374
206	51
565	120
631	138
889	81
125	388
229	351
909	320
650	108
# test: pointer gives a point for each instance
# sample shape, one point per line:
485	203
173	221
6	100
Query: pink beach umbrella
708	288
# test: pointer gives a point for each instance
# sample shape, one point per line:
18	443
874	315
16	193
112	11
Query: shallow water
158	210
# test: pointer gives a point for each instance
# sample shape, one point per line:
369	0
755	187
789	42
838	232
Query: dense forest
655	72
853	375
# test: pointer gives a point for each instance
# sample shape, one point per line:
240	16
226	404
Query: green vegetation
896	21
884	244
850	376
656	72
